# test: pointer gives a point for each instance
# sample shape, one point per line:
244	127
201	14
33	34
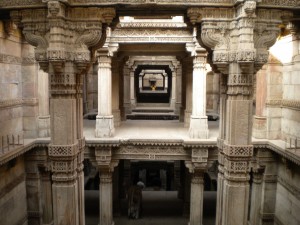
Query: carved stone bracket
61	33
104	159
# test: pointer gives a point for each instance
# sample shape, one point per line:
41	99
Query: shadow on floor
159	207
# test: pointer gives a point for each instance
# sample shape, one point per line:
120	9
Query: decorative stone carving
238	150
63	150
77	33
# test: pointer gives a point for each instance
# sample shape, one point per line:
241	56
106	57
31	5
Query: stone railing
10	142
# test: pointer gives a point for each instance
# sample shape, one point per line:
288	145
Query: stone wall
288	194
11	112
291	95
18	87
13	204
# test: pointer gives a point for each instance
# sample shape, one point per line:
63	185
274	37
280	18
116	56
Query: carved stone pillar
221	179
46	197
115	92
105	120
106	168
196	209
33	192
197	166
256	194
90	89
132	89
260	119
237	147
126	89
216	92
174	89
239	37
178	105
43	94
188	77
106	198
186	193
198	122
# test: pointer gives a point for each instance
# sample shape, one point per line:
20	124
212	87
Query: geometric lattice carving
63	150
64	166
238	150
236	166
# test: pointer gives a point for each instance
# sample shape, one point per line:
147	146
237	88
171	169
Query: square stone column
198	122
106	198
43	94
237	147
132	89
196	209
104	120
256	194
174	87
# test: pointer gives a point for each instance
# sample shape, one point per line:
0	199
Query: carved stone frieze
239	151
151	152
236	166
63	151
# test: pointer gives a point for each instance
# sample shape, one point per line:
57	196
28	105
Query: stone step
152	116
152	110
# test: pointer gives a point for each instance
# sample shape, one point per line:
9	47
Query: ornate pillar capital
104	159
198	162
62	33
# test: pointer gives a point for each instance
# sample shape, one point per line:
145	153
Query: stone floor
150	129
159	208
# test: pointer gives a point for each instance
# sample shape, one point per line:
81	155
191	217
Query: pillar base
133	103
104	126
117	117
198	127
44	126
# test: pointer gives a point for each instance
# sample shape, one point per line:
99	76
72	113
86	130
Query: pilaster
198	123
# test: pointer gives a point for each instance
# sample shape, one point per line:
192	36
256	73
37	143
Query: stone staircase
152	112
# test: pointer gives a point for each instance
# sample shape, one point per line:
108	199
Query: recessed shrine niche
153	83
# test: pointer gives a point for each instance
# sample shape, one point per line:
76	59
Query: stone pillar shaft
132	90
43	94
179	91
106	199
196	209
173	93
104	119
46	198
237	146
256	194
104	86
198	124
115	92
